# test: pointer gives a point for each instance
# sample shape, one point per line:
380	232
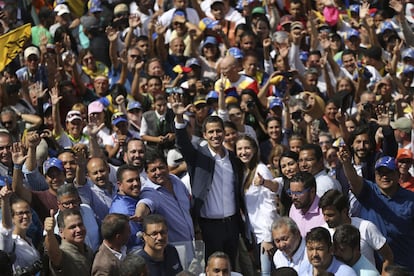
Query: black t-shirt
170	266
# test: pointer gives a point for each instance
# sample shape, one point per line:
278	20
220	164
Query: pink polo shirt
312	218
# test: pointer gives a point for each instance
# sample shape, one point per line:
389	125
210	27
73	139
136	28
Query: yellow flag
11	44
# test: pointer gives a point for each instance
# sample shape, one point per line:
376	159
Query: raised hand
93	129
344	155
383	117
134	21
5	192
178	106
54	96
396	5
111	34
32	139
364	10
18	154
50	222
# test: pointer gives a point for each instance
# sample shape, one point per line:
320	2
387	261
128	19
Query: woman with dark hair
289	166
259	193
64	37
16	220
328	123
91	68
230	136
254	112
275	137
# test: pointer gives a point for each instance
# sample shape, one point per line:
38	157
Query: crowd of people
278	133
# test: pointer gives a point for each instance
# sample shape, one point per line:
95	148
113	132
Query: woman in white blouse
260	194
16	219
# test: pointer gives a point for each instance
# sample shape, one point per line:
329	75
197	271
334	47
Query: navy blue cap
386	162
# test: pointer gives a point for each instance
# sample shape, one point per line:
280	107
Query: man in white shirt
347	249
311	161
290	244
321	260
335	209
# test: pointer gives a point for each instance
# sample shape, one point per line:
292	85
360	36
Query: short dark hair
153	219
347	234
122	169
334	198
319	234
132	265
152	157
306	178
212	119
285	271
359	130
316	149
65	213
113	224
348	52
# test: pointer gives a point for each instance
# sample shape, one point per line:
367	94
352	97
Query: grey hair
286	221
67	189
220	255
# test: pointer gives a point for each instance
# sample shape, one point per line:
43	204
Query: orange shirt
409	184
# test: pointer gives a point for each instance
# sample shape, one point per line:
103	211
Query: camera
30	270
297	115
250	104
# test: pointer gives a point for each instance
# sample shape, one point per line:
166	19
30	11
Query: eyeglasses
22	213
70	204
297	193
154	235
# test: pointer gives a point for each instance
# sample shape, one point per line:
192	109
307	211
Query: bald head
98	172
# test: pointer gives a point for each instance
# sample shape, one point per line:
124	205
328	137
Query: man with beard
99	190
124	202
335	210
321	260
363	156
305	211
134	156
386	204
161	258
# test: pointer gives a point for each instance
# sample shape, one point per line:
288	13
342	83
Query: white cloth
261	207
325	183
220	201
25	252
371	238
281	260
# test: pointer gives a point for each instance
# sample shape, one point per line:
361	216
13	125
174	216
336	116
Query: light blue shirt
123	204
336	267
99	199
363	267
174	207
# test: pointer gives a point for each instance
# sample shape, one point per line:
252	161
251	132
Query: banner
11	44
